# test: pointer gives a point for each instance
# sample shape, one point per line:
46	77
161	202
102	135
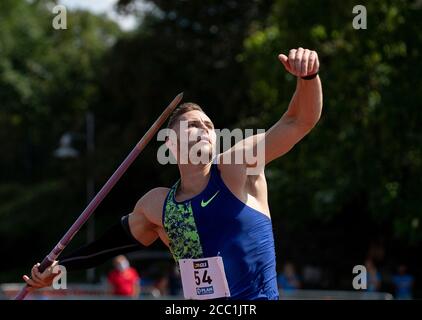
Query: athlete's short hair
183	108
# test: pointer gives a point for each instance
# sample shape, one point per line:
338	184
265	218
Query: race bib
204	278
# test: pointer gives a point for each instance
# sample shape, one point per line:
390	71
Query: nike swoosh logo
204	204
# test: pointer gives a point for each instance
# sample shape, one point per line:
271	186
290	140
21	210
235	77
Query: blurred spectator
288	280
373	277
162	286
123	278
312	277
403	283
175	283
147	284
376	251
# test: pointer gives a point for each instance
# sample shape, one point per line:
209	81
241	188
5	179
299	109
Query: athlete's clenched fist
300	62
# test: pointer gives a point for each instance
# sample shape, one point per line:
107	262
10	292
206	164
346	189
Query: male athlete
216	212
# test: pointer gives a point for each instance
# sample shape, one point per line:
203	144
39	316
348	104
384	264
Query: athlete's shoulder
158	192
244	184
233	174
151	204
152	197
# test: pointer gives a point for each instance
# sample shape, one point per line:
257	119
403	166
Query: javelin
61	245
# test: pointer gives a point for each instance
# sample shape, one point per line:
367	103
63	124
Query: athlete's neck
193	179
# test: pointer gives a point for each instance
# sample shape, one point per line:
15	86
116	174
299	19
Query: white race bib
204	278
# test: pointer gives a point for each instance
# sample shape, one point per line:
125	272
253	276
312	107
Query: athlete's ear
171	143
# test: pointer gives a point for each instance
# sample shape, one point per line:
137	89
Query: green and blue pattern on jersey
181	229
216	223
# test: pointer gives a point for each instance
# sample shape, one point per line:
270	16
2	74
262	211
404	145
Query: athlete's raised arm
301	116
305	106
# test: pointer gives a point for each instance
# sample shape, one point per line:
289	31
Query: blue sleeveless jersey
217	223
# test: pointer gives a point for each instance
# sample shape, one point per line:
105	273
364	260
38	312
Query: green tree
48	80
362	163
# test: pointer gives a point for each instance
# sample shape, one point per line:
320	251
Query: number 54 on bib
204	279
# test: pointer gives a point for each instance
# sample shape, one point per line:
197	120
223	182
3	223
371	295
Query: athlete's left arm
301	116
305	106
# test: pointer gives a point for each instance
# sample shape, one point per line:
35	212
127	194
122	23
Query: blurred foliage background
349	188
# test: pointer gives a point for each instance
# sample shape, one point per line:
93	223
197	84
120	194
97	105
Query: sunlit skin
303	113
199	129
